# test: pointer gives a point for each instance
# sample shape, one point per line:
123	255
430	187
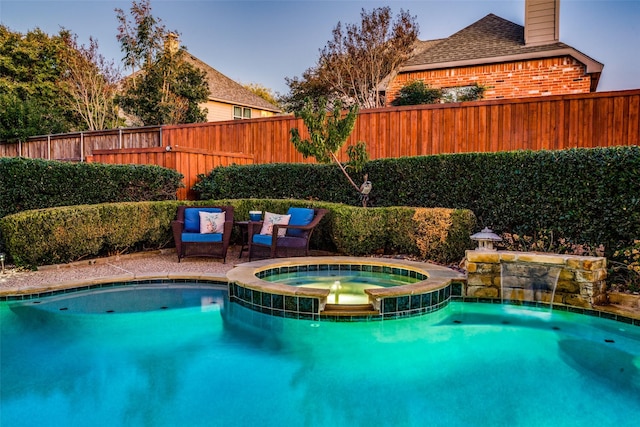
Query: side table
243	227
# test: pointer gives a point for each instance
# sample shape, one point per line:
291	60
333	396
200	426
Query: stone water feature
537	277
528	282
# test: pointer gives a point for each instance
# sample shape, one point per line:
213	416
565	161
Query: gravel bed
154	262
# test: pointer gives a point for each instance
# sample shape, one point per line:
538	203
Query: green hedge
65	234
27	184
584	196
277	181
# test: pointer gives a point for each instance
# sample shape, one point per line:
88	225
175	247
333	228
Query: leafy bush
436	234
65	234
36	184
360	231
624	268
417	92
587	197
277	181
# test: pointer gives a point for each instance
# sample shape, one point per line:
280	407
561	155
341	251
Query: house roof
223	89
492	39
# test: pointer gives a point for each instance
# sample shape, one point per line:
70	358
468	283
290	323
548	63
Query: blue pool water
315	278
345	287
188	357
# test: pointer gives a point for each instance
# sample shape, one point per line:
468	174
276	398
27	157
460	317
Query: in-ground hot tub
342	288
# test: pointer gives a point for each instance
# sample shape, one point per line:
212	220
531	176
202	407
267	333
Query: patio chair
201	231
291	239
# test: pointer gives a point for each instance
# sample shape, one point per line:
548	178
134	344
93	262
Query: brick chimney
541	22
172	44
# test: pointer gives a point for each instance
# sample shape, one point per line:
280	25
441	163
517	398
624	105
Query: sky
264	41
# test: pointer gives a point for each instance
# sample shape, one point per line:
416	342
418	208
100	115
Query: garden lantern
485	239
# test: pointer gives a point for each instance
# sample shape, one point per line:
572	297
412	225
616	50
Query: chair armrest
294	227
276	227
316	220
319	216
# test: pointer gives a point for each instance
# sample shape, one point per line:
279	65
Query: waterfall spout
528	282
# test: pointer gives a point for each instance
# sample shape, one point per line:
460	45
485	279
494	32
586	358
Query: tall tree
327	134
22	118
92	83
164	88
354	63
263	92
141	39
309	86
32	100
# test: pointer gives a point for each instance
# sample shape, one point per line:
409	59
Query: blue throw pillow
192	218
299	216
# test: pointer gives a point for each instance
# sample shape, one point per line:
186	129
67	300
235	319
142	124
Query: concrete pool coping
163	264
437	276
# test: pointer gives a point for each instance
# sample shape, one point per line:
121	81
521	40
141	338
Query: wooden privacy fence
556	122
77	146
601	119
190	162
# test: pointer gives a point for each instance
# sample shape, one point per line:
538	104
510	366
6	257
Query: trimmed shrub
583	196
277	181
436	234
27	184
65	234
360	231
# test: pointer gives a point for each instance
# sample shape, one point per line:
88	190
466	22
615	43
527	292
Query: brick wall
522	79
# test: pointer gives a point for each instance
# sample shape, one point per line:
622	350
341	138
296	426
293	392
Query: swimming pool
342	288
184	355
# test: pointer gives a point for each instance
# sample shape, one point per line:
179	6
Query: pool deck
138	266
144	266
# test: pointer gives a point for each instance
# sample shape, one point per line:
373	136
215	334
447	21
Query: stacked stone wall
581	281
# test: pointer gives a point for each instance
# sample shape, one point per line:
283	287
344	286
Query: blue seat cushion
262	239
287	241
201	238
192	218
299	216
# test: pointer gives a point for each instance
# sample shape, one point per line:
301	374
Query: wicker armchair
295	241
189	239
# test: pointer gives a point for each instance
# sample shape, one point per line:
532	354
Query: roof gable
489	40
223	89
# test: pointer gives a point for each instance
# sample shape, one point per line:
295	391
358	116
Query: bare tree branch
359	57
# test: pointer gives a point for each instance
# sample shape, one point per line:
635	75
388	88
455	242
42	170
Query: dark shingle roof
222	88
488	40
